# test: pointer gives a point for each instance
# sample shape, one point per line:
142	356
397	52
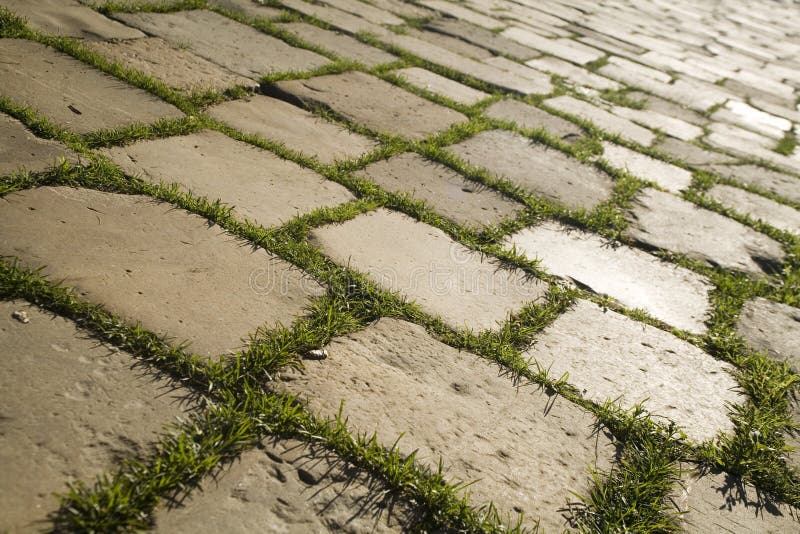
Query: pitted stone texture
609	356
172	271
533	118
374	103
69	18
72	409
261	186
539	169
424	264
296	128
525	449
567	49
21	150
668	176
481	37
691	154
671	126
636	279
248	8
340	44
776	183
450	194
572	73
602	119
71	93
287	486
173	66
757	207
772	327
665	221
238	47
434	83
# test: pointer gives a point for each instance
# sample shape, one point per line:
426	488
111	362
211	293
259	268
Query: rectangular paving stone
602	119
424	264
481	37
652	119
73	408
668	109
757	207
70	19
366	11
374	103
335	17
235	46
434	83
609	356
753	119
666	175
296	128
776	183
692	154
672	294
771	327
72	94
572	73
263	188
463	13
533	118
453	44
567	49
248	8
340	44
539	169
149	262
21	150
749	145
524	449
519	69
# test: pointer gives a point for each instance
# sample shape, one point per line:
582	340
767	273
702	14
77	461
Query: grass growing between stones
787	144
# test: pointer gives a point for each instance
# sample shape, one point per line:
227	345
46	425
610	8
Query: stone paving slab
572	73
690	153
396	379
462	13
434	83
675	295
774	182
296	128
566	49
71	93
424	264
748	117
335	17
519	69
669	109
366	11
374	103
453	44
70	19
541	170
72	409
665	221
481	37
771	327
248	8
340	44
750	145
757	207
609	356
21	150
666	175
652	119
602	119
240	48
533	118
263	188
150	262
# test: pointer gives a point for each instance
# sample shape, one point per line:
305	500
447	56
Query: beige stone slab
335	17
263	187
608	356
775	182
149	262
524	449
248	8
480	37
780	216
690	153
463	13
69	18
296	128
772	327
71	93
21	150
652	119
572	73
72	409
567	49
666	175
532	118
366	11
374	103
451	43
602	119
340	44
423	263
434	83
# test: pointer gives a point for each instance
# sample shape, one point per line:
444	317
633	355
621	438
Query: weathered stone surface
69	18
296	128
668	176
286	486
669	109
772	327
609	356
430	81
263	187
481	37
175	67
149	262
541	170
71	93
462	13
602	119
653	119
519	69
453	44
665	221
366	11
757	207
340	44
421	262
72	409
21	150
450	194
753	119
572	73
240	48
527	116
636	279
374	103
567	49
248	8
691	154
774	182
336	17
750	145
396	379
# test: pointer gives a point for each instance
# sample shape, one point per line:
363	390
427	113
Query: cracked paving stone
772	327
342	45
533	118
423	263
434	83
666	175
602	119
524	448
776	183
757	207
21	150
70	19
173	271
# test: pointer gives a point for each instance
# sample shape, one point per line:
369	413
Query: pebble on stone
776	183
602	119
772	327
340	44
21	150
70	19
533	118
434	83
608	356
423	263
668	176
757	207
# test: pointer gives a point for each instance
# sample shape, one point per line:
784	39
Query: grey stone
611	357
463	13
518	69
374	103
602	119
366	11
668	176
248	8
665	221
757	207
690	153
150	262
263	188
669	109
21	150
336	17
775	182
652	119
342	45
481	37
749	145
539	169
404	9
71	93
527	116
636	279
430	81
524	448
572	73
70	19
567	49
73	408
296	128
422	263
457	46
750	118
772	327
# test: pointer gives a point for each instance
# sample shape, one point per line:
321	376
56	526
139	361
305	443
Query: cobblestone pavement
381	266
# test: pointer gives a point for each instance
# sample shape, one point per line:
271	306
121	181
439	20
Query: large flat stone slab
376	104
481	37
72	409
248	8
21	150
340	44
70	19
609	356
239	48
572	73
71	93
263	187
296	128
665	221
567	49
776	183
666	175
539	169
149	262
772	327
757	207
533	118
424	264
636	279
524	449
671	126
690	153
434	83
602	119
